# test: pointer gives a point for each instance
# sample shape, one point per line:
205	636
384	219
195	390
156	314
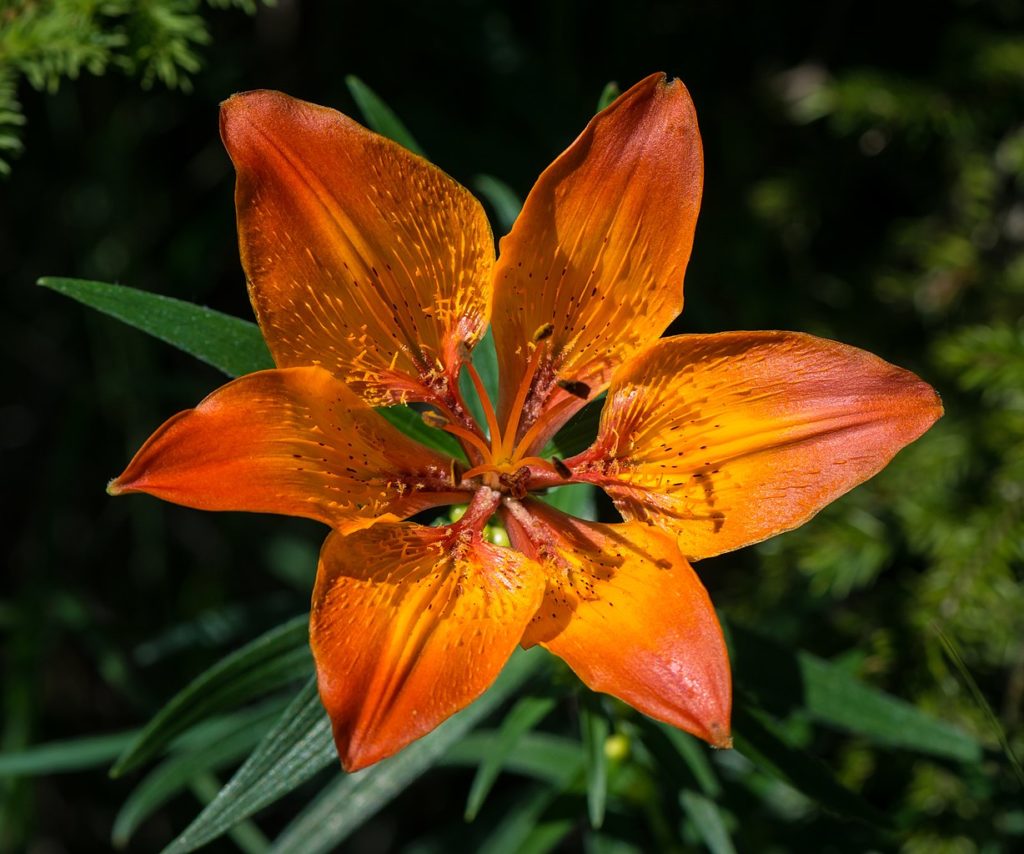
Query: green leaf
170	777
523	717
502	199
707	821
296	748
550	758
579	432
610	92
512	834
246	835
233	345
410	422
58	757
352	799
594	732
268	662
784	682
761	740
379	116
682	756
576	499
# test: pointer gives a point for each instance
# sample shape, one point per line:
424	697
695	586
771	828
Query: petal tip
719	736
114	487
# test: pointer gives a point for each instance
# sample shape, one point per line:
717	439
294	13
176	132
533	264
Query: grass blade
271	660
784	681
352	799
57	757
707	821
296	748
610	92
379	116
594	730
502	199
523	717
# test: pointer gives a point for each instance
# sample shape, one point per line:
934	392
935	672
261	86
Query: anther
575	388
432	419
561	468
543	332
464	352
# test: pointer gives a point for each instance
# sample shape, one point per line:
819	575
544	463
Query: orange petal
729	439
628	614
601	245
360	256
295	441
409	625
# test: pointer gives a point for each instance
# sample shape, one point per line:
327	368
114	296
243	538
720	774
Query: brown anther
575	388
561	468
515	484
464	352
432	419
542	332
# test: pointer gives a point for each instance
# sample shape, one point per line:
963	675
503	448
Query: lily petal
409	625
600	248
295	441
360	256
629	615
730	439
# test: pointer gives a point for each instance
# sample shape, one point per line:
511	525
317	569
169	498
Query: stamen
432	419
478	470
542	332
541	423
524	389
485	401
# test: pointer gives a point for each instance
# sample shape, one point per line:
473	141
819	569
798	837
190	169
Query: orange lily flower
373	275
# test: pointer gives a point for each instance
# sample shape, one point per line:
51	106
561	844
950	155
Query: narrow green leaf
410	422
764	744
502	199
576	499
518	821
171	776
610	92
297	747
594	731
523	717
546	836
352	799
230	344
246	835
57	757
784	681
545	757
707	821
268	662
379	116
668	744
994	723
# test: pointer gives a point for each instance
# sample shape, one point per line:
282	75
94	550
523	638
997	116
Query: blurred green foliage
864	173
47	41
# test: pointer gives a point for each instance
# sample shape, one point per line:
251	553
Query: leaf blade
230	344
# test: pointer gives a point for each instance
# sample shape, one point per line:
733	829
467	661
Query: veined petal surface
295	441
409	625
628	614
729	439
360	256
601	245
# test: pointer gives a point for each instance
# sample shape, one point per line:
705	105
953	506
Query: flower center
500	461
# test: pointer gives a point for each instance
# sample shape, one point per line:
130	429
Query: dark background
863	176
